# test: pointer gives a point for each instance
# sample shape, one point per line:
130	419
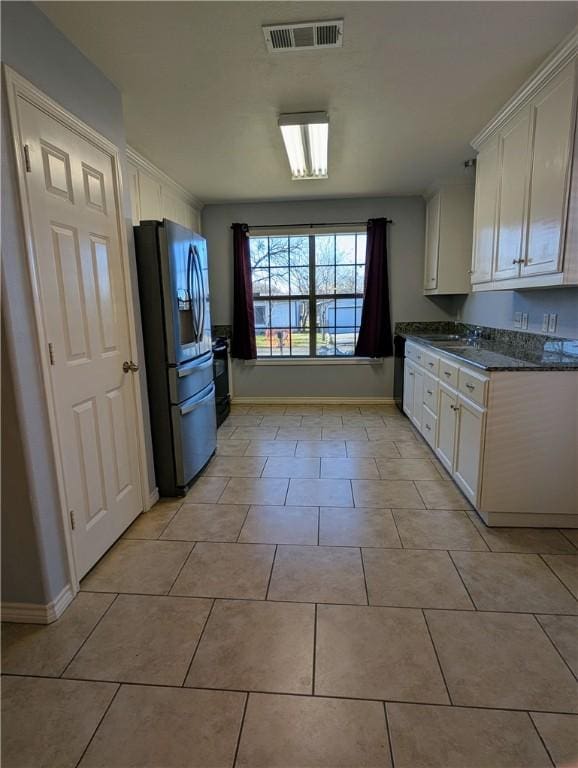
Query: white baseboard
34	613
154	496
313	401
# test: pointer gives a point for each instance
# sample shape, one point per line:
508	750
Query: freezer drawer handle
194	368
194	406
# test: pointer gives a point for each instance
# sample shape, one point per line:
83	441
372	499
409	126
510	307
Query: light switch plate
525	321
545	323
517	319
552	322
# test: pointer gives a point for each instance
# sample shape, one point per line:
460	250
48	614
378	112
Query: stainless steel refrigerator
176	321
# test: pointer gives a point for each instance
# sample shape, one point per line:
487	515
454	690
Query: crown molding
556	61
139	160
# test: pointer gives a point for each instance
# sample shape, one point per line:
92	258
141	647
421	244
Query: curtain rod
314	224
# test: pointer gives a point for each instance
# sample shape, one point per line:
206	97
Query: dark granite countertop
496	349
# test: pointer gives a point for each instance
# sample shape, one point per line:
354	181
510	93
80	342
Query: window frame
312	297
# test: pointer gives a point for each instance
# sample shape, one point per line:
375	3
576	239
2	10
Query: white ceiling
413	83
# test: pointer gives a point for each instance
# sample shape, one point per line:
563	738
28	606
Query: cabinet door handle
470	387
447	373
455	407
429	392
411	373
427	426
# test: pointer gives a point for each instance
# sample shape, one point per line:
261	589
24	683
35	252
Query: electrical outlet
517	319
552	322
525	321
545	323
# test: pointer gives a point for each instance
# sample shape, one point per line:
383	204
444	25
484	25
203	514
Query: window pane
325	341
324	249
360	278
324	280
300	341
280	342
279	281
345	280
263	342
258	249
325	313
299	251
361	246
279	314
300	314
279	251
299	280
345	341
345	249
261	314
345	312
260	282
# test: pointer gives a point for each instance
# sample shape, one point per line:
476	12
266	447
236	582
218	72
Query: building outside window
308	293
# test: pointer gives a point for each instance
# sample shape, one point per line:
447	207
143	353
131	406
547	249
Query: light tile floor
322	598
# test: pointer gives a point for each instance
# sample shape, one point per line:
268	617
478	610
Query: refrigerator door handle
201	294
190	281
187	370
193	406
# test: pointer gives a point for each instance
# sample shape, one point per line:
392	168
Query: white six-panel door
73	206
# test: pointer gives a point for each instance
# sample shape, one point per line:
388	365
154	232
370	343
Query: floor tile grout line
388	732
401	544
551	641
271	572
437	656
314	659
311	602
89	635
535	727
186	560
104	714
364	575
245	705
241	528
461	578
547	564
318	525
561	531
197	646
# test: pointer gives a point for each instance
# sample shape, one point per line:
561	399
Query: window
307	293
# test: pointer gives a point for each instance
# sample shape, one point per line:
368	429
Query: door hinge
27	158
51	353
72	523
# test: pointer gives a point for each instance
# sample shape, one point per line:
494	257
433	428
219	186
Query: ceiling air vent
310	35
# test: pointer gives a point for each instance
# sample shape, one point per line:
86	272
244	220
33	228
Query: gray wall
33	562
496	309
406	249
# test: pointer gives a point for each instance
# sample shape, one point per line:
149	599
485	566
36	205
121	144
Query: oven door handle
193	406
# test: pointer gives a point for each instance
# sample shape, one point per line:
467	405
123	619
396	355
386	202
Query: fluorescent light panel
306	137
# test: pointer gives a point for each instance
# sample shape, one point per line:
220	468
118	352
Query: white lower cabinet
446	435
508	439
468	447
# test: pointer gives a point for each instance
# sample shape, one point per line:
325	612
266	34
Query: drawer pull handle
471	387
411	373
447	373
455	407
427	426
431	365
429	392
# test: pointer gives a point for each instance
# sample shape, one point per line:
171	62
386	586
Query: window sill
281	361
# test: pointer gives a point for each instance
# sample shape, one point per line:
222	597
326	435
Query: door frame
18	87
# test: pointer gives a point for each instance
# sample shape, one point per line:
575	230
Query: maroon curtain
374	338
243	344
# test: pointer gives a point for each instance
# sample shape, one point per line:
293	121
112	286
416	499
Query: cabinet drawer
430	392
428	425
448	373
415	353
473	386
431	363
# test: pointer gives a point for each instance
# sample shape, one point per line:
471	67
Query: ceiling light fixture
306	136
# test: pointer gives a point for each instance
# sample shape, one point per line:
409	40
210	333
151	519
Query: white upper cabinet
525	170
155	196
449	217
511	219
485	213
553	116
